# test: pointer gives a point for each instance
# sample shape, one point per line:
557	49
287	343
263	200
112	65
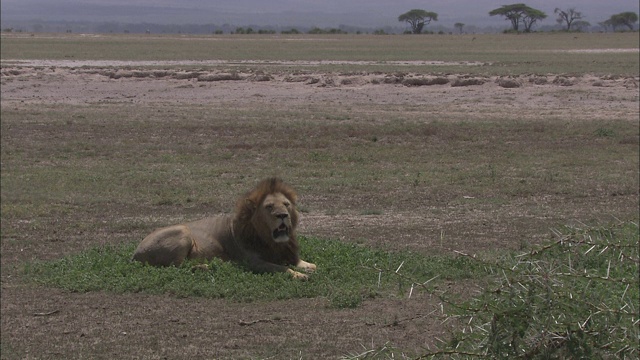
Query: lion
260	235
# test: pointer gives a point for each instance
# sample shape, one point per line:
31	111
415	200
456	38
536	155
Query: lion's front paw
298	275
306	266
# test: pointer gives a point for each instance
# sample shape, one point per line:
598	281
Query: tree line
523	18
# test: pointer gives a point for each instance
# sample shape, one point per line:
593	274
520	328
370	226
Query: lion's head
268	211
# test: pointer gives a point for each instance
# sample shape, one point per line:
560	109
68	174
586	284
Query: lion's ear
245	208
250	204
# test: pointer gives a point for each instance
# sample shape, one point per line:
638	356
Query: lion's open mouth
281	234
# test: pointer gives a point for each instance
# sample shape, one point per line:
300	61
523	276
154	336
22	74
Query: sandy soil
115	81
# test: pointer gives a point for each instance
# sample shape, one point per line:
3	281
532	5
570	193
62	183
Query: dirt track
50	323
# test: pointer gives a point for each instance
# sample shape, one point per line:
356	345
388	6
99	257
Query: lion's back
212	237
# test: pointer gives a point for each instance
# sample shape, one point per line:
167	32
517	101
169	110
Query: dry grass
193	159
500	54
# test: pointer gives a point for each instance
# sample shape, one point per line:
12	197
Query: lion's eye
269	207
287	204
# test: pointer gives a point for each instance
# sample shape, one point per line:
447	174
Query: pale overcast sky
291	12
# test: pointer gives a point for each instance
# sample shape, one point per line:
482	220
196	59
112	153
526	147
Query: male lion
261	235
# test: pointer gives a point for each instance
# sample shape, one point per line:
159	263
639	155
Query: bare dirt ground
51	323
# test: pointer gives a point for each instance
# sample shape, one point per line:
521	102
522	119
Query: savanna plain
406	151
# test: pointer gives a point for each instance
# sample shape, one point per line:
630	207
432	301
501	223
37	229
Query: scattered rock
509	83
563	81
260	77
393	79
421	81
219	77
122	74
107	73
160	73
467	82
631	83
539	80
141	74
298	78
326	81
186	75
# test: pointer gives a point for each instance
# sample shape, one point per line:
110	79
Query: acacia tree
417	19
567	16
459	26
580	25
530	17
623	19
605	24
519	14
512	12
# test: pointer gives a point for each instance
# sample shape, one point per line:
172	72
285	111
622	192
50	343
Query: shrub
575	298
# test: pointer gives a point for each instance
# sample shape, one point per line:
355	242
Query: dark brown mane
271	186
246	206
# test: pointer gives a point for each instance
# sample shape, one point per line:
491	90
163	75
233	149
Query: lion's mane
246	215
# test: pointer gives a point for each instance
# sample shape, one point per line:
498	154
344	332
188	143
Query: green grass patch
346	274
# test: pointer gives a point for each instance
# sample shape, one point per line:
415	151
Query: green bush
576	298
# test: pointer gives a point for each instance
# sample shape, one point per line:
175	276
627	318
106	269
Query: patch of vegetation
604	132
575	298
345	275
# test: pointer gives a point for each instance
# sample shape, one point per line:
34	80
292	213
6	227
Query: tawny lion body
260	235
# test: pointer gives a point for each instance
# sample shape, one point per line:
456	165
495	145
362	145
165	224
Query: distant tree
459	26
289	32
605	24
336	31
417	19
519	14
581	25
623	19
316	30
567	16
531	16
513	13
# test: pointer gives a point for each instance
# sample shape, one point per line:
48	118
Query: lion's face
276	218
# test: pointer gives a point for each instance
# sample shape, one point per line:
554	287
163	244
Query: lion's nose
282	216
